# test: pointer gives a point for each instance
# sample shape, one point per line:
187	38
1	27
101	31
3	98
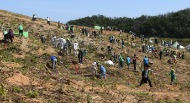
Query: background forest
170	25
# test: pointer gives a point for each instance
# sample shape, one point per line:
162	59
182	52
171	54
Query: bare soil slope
26	74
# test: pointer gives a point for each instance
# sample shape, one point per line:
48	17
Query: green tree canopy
172	25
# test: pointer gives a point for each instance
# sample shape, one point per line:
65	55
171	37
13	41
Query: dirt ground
29	69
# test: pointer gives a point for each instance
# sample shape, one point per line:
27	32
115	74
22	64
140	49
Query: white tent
150	41
188	47
175	44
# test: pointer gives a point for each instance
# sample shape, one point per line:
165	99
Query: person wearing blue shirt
54	61
152	48
103	72
146	61
128	60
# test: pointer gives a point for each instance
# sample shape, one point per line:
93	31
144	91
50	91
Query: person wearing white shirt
54	40
94	69
48	20
76	48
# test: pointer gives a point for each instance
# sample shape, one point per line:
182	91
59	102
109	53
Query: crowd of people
66	48
145	62
9	34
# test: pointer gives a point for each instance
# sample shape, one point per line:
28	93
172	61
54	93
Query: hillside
26	74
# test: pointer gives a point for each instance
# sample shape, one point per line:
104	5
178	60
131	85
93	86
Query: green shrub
89	99
3	91
33	94
16	89
91	48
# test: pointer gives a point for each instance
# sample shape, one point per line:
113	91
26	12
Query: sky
66	10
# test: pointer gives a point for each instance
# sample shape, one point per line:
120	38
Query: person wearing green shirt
173	76
121	61
20	28
5	33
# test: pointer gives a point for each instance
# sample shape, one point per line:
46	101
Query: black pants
80	60
109	51
143	49
144	80
48	22
95	35
43	39
11	38
160	57
6	37
121	64
21	32
134	66
172	78
34	19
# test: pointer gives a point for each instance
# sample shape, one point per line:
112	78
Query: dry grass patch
11	64
21	56
35	100
38	52
18	79
50	50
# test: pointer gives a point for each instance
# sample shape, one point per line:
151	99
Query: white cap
94	63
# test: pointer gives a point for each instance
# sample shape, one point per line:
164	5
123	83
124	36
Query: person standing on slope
5	33
135	62
145	61
145	77
20	29
128	60
122	43
48	20
115	57
43	38
80	56
94	69
11	35
121	61
75	46
58	24
173	76
53	40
